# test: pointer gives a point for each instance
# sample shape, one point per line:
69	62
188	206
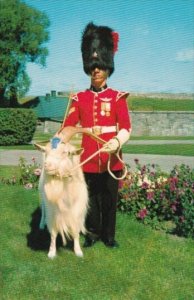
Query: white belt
102	129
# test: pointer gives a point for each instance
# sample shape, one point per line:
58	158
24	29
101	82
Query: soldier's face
99	77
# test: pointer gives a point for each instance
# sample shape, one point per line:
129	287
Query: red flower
145	185
150	195
142	213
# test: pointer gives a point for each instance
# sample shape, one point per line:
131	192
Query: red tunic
105	108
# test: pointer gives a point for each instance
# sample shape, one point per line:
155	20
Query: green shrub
141	194
181	194
154	197
17	126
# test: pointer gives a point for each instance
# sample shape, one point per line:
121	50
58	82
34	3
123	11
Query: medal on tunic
105	109
102	112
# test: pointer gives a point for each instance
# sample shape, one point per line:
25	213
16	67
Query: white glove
123	136
114	144
111	146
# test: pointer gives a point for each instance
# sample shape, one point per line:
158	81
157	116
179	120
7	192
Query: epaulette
121	95
74	97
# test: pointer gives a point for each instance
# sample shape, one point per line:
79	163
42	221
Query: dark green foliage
182	200
17	126
23	32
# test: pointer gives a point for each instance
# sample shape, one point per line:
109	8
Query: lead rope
124	170
108	164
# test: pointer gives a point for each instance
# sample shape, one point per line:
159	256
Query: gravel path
166	162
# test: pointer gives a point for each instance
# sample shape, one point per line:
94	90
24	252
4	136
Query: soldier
104	112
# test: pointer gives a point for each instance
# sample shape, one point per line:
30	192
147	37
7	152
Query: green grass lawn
162	138
148	265
171	149
155	104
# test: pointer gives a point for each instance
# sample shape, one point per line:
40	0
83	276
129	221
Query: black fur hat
98	46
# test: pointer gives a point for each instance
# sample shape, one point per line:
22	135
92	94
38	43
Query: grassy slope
156	104
148	264
174	149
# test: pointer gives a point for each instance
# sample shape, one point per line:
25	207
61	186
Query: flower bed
159	199
26	175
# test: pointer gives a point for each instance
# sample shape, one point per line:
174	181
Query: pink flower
152	174
173	207
185	184
28	186
37	172
142	213
143	170
172	187
145	185
150	195
182	219
173	182
162	195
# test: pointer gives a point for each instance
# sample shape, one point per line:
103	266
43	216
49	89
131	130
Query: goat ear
39	147
78	151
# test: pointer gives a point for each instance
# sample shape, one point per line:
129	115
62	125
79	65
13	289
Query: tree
23	33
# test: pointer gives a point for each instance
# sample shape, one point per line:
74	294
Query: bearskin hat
98	45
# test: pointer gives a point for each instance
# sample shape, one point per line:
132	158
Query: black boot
90	241
111	243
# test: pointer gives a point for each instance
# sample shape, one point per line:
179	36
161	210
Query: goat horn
69	131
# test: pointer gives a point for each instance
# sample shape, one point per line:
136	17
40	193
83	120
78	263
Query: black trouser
103	194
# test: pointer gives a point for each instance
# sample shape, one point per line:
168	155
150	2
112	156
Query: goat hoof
51	255
79	253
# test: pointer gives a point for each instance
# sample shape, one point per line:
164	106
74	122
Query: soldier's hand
111	146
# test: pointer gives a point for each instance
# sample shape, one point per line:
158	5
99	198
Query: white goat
64	195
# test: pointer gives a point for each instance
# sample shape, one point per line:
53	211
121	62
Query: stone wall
48	126
162	123
147	123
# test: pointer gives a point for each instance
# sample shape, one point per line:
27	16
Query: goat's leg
77	248
52	249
